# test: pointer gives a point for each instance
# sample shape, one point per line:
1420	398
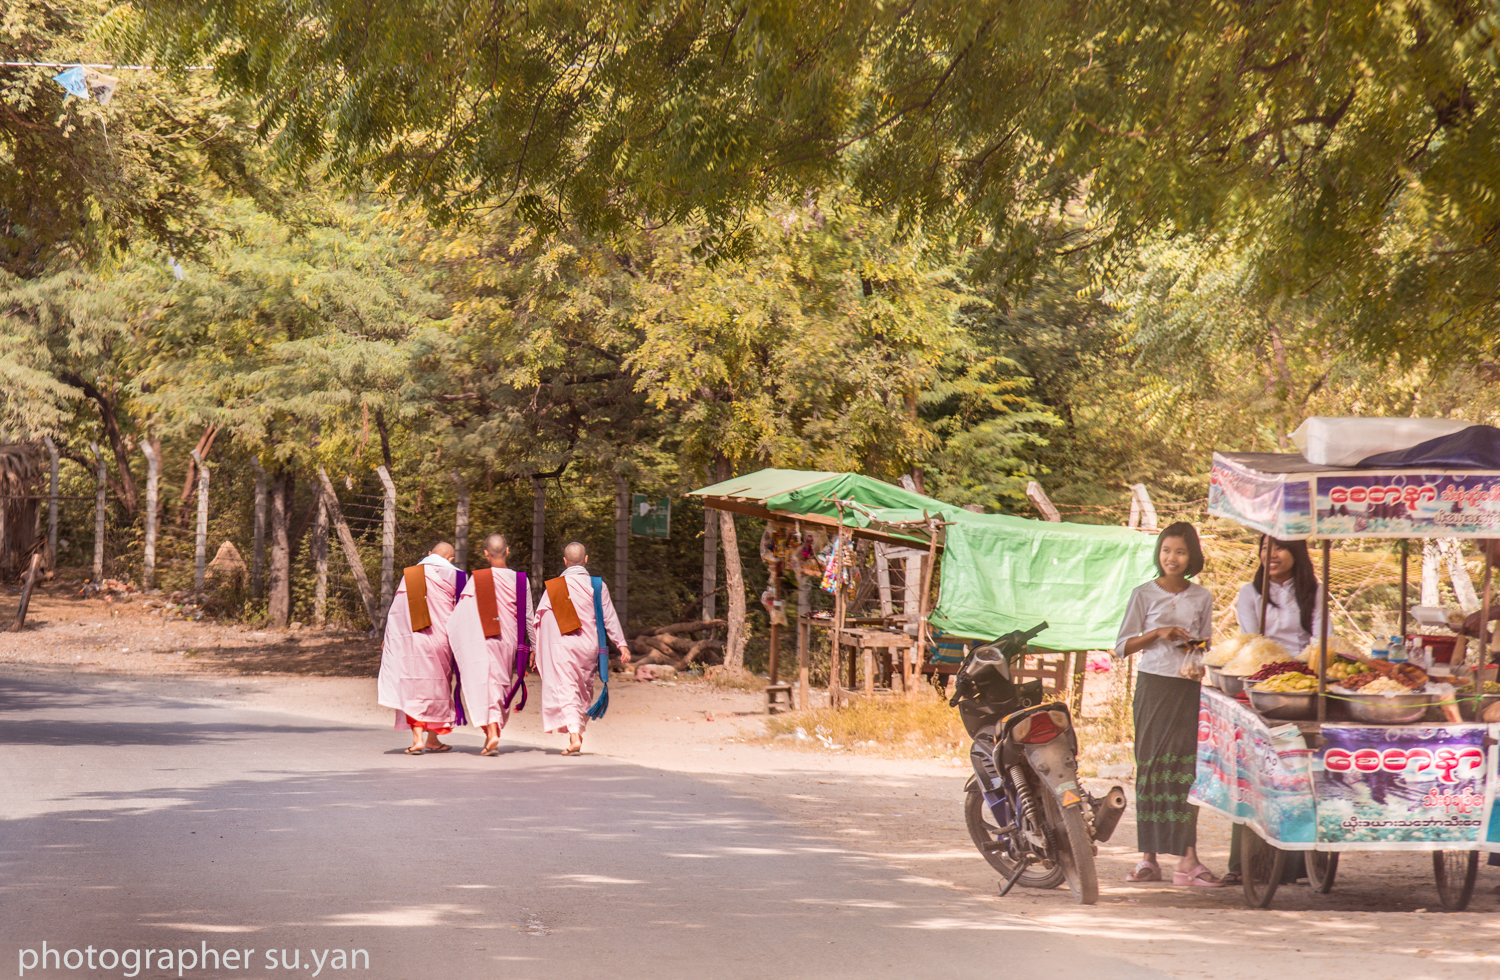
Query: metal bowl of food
1231	684
1466	704
1285	706
1215	676
1387	709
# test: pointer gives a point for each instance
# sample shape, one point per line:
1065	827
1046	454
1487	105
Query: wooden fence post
258	561
351	551
200	542
153	479
1431	573
1458	574
320	559
1142	510
461	522
387	544
52	505
883	579
622	548
100	502
710	563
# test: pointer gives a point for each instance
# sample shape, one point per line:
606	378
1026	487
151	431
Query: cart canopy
999	573
1287	497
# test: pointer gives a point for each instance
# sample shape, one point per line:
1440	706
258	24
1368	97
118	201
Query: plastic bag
1192	663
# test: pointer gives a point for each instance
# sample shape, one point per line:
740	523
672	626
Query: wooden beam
31	575
1042	502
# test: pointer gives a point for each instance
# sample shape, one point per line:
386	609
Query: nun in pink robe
416	666
569	663
487	663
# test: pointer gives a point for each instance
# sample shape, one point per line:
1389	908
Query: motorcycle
1024	807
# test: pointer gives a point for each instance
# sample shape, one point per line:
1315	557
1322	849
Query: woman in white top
1292	616
1161	616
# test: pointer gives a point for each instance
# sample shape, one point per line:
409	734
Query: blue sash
601	703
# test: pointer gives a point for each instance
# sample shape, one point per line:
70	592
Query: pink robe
487	664
569	663
416	668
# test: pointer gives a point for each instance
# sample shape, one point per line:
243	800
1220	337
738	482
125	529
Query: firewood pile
678	645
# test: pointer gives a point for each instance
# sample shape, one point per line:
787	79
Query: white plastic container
1345	441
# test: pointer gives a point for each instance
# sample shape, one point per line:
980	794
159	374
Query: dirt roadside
904	814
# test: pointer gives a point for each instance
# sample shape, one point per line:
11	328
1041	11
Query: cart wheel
1262	866
1455	872
1322	868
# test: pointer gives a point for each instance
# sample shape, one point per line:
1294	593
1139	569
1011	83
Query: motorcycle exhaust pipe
1108	809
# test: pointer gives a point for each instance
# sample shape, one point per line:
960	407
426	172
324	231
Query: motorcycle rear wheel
983	830
1075	850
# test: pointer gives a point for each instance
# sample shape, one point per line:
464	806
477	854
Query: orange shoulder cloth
562	605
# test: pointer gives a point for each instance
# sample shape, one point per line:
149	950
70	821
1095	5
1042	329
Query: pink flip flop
1199	877
1145	871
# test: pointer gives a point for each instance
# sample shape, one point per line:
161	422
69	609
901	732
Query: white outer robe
569	662
416	668
487	664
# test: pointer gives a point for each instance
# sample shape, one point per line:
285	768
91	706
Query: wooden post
461	522
52	505
258	560
320	560
1322	632
351	551
1042	502
804	631
100	501
1484	627
153	478
1431	573
620	593
836	642
1405	585
775	629
1463	586
279	588
538	534
1140	496
919	645
200	543
387	544
36	565
883	579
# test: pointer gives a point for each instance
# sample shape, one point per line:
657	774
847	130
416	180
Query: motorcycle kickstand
1011	883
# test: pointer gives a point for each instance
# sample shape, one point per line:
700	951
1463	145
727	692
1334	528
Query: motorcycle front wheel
985	833
1075	850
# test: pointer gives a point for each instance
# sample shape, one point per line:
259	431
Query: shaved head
575	554
496	544
443	550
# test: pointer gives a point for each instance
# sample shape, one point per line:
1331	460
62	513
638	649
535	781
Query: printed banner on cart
1275	503
1250	776
1408	504
1402	785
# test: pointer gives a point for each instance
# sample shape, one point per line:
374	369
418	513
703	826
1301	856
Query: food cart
1312	787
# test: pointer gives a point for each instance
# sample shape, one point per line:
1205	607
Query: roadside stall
997	573
1340	750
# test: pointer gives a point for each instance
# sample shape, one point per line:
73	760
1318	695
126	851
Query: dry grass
924	728
737	678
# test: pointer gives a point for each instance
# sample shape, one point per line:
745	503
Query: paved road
133	821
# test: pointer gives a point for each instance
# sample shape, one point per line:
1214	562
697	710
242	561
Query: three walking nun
453	639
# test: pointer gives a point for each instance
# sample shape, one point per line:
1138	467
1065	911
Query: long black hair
1189	536
1304	578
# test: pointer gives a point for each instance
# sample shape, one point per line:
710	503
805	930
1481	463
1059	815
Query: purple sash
523	649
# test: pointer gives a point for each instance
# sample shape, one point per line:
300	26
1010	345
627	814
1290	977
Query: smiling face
1279	561
1174	556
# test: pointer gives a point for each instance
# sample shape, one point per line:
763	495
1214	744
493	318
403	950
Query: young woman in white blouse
1292	617
1161	617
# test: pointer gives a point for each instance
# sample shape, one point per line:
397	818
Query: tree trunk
258	559
461	521
107	416
538	533
734	581
622	549
387	545
281	551
52	506
710	564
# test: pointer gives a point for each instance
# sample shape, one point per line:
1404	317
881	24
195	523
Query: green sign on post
650	518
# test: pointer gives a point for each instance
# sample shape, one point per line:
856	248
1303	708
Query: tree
1353	142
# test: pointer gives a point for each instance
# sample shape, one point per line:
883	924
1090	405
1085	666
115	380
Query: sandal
444	747
1199	877
1231	878
491	750
414	750
1145	871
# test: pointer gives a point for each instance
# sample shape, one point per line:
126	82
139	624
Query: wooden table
864	639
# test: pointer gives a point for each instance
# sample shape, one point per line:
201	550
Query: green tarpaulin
999	573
